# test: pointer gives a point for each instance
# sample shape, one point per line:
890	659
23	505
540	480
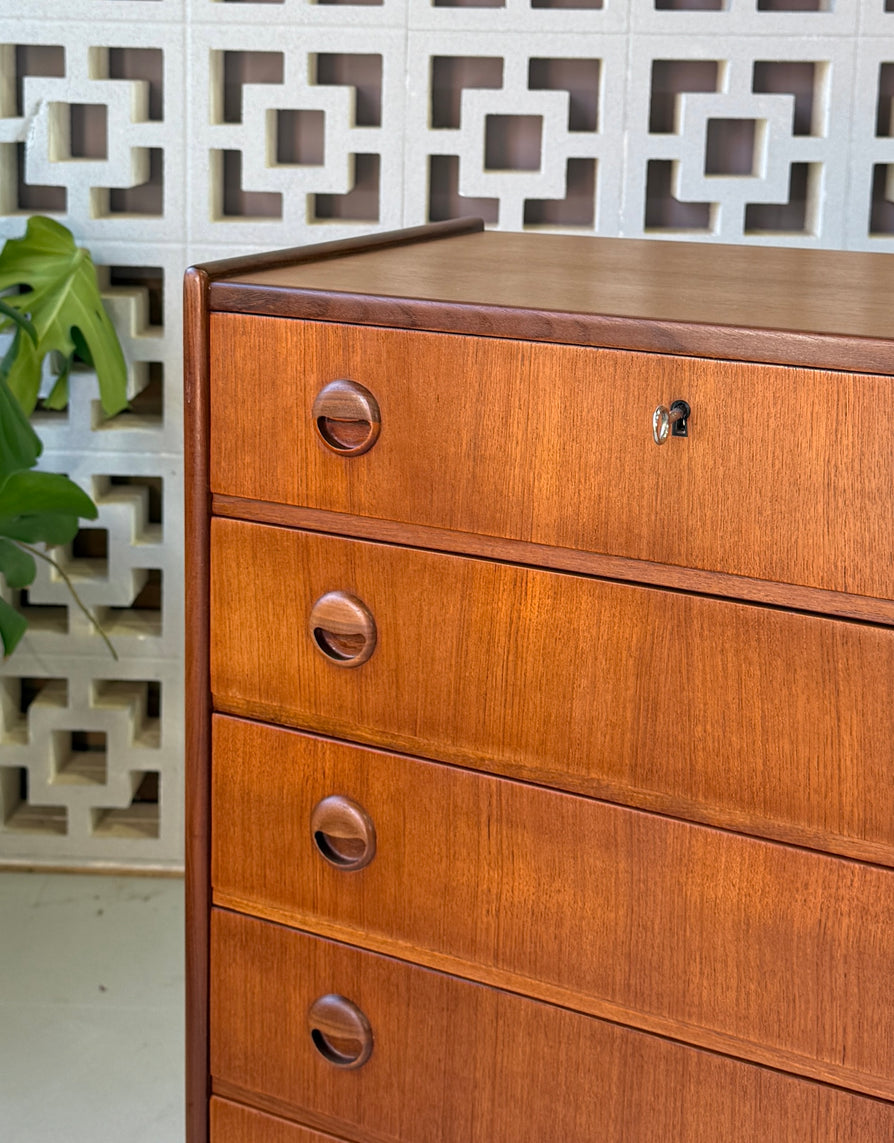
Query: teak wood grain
785	476
457	1063
233	1123
753	718
820	308
683	931
700	928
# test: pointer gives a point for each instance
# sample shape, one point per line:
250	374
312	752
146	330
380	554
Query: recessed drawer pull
340	1031
347	417
343	832
675	420
342	628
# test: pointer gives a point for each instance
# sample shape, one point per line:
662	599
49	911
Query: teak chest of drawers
540	670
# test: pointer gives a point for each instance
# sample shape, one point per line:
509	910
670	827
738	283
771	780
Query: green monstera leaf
35	507
57	311
64	307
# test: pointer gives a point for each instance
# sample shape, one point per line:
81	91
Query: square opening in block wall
80	758
148	279
18	815
43	618
90	547
145	410
141	702
591	4
884	113
32	198
691	5
361	71
806	81
300	137
663	210
730	147
144	616
444	199
147	198
140	821
881	208
152	489
450	75
671	79
513	142
88	131
18	695
361	203
580	78
795	5
793	217
577	208
468	3
236	200
240	68
146	64
35	59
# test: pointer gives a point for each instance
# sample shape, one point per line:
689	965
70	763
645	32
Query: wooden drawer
454	1062
750	717
754	948
786	475
233	1123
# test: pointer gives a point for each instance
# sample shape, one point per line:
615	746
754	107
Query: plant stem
49	559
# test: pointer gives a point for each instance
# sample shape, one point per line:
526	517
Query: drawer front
454	1062
785	476
695	932
769	721
233	1123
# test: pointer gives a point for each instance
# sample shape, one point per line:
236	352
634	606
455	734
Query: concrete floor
91	1009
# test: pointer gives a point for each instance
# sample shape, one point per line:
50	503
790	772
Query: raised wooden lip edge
322	251
720	585
197	704
675	1031
799	348
609	331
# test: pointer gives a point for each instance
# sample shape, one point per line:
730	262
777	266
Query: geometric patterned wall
166	132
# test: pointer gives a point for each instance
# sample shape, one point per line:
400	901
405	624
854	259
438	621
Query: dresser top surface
811	291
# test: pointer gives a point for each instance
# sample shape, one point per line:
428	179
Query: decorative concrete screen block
296	133
166	132
742	148
873	179
526	135
92	130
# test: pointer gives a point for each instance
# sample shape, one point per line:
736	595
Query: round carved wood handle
343	629
343	832
347	417
340	1031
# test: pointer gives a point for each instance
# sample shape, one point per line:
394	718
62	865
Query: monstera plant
50	302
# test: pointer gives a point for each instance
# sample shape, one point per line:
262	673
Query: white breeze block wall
166	132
